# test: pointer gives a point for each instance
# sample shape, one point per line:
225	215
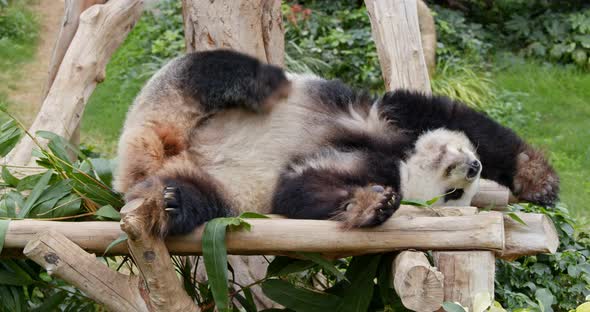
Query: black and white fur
214	133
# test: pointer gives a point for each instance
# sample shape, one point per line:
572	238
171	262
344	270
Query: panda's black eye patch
453	194
449	169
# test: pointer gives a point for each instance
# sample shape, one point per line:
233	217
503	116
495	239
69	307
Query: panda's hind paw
369	206
536	181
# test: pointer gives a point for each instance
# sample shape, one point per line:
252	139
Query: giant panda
215	133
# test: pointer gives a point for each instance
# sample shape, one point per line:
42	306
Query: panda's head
443	162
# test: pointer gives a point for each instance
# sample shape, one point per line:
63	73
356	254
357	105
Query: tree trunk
254	27
427	36
101	30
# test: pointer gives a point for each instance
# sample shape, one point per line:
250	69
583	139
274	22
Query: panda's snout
474	169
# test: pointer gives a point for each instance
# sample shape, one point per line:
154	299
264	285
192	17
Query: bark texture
251	26
102	28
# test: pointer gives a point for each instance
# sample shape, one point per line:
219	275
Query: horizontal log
537	236
269	236
491	195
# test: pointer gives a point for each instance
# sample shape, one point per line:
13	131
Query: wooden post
396	32
64	259
467	273
101	30
164	289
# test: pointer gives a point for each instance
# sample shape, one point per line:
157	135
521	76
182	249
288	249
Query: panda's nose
473	170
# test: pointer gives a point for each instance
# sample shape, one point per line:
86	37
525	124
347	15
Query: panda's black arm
329	194
224	79
506	158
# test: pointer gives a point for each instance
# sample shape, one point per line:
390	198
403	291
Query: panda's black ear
224	79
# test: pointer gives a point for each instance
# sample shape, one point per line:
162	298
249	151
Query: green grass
19	30
153	40
107	107
558	101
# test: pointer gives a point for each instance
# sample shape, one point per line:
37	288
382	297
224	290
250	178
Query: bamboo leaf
108	212
412	202
516	218
299	299
285	265
215	257
10	133
29	182
356	295
57	145
35	193
3	230
9	178
253	215
122	238
325	264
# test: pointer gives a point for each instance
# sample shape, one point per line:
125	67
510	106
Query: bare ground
26	92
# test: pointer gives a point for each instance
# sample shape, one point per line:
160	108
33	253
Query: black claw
171	198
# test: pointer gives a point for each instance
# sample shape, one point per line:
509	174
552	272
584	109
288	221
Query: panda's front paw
535	180
369	206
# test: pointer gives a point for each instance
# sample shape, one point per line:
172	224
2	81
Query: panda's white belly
246	151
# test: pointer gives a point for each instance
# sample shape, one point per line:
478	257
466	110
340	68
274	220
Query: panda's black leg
176	204
330	194
223	79
505	157
188	205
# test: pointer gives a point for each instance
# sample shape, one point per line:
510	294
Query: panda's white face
443	162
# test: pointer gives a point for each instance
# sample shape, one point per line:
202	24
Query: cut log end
417	283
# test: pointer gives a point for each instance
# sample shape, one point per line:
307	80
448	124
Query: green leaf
545	299
247	300
215	257
452	307
57	145
100	168
253	215
516	218
299	299
46	206
3	230
356	295
108	212
9	178
285	265
122	238
10	133
35	194
52	303
10	278
29	182
414	203
325	264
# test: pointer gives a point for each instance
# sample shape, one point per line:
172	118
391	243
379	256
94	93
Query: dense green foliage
562	279
338	35
553	31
